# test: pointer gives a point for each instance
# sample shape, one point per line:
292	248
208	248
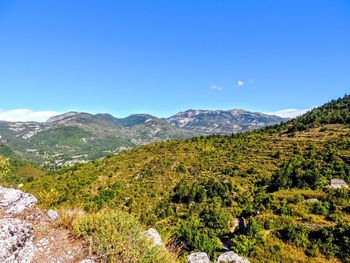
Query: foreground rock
231	257
153	235
199	257
16	241
14	201
28	234
52	214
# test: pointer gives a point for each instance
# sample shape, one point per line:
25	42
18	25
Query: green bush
116	236
194	237
4	166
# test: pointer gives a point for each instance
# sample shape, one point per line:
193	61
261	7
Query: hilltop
265	194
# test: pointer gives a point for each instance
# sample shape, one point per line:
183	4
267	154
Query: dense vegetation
273	181
334	112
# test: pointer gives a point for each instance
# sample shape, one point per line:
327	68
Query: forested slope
276	180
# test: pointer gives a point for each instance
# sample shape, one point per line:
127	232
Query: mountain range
77	137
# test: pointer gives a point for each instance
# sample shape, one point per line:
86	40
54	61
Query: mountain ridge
223	121
79	137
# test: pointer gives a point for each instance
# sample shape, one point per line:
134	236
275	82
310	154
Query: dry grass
67	216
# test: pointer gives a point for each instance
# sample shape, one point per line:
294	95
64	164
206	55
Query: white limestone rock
16	241
153	235
338	183
198	257
231	257
52	214
14	201
311	200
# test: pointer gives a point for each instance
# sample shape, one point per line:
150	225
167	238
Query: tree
4	166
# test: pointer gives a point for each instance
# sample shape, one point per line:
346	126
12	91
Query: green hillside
275	180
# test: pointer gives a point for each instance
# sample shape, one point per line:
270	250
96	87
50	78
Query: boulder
153	235
87	261
338	183
52	214
311	200
16	241
14	201
199	257
231	257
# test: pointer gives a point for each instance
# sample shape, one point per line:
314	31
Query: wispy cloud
26	115
289	113
216	87
240	83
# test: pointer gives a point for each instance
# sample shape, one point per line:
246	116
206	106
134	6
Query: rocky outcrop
14	202
16	241
231	257
28	234
198	257
153	235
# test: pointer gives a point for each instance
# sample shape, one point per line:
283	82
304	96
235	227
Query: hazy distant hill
77	137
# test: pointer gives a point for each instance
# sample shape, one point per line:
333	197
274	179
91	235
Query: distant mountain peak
222	121
63	116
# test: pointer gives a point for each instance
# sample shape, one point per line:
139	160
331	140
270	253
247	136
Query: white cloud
240	83
216	87
289	113
26	115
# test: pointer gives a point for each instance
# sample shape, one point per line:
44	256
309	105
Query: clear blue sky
161	57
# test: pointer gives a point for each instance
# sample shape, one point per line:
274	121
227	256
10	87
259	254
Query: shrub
67	216
4	166
116	236
295	234
194	237
320	208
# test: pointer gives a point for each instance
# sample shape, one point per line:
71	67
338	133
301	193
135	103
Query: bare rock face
16	241
199	257
14	201
231	257
153	235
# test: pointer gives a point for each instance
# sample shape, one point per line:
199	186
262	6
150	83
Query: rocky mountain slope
77	137
223	122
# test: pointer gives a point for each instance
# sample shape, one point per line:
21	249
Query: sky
162	57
